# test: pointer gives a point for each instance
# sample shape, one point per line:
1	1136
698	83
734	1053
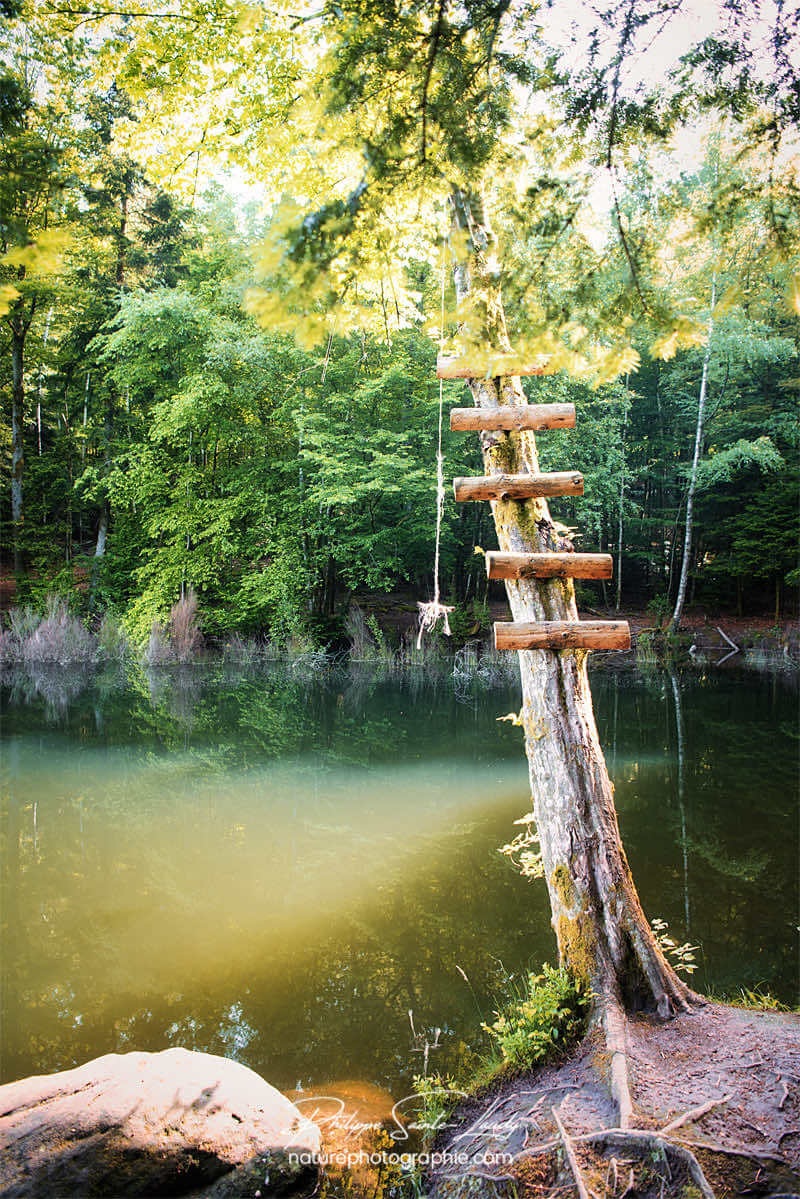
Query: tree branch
437	33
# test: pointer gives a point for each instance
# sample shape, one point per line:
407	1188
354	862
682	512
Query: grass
756	999
540	1019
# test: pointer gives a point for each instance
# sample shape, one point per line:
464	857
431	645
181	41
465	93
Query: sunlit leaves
794	293
42	256
684	335
8	294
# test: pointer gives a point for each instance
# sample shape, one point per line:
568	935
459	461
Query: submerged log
518	487
487	366
507	418
548	566
562	634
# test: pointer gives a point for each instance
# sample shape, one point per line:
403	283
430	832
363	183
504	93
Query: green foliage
171	443
439	1097
545	1018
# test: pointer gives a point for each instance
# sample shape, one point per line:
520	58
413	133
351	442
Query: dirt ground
717	1111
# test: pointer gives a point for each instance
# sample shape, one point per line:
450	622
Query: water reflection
280	868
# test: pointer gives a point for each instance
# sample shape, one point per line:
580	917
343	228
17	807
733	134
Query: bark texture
17	443
603	935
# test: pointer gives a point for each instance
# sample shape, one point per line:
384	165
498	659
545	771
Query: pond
293	868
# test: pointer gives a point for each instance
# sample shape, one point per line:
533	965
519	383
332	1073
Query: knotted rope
434	611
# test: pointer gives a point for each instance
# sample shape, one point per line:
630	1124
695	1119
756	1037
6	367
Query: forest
161	435
283	914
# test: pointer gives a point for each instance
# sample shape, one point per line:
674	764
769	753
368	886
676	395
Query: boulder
147	1124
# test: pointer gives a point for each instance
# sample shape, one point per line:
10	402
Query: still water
281	868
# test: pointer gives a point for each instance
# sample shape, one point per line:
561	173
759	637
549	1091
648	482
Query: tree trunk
620	522
17	444
698	446
603	936
105	510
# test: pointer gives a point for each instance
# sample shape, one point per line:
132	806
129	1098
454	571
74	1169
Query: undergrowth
542	1018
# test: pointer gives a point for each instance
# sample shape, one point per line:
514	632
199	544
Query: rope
431	613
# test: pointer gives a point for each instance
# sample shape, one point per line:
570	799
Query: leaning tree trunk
698	446
603	936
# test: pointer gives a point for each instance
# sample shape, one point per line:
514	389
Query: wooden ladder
545	634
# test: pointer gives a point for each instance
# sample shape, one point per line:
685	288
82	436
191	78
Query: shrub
184	628
112	640
59	637
355	627
547	1016
367	640
181	640
158	651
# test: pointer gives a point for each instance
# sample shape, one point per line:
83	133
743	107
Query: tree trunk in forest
603	936
17	445
620	520
698	446
105	511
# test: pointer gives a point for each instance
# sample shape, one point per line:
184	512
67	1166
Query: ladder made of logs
545	634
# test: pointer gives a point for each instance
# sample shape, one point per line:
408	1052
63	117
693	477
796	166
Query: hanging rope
434	611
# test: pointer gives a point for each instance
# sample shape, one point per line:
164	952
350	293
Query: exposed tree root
570	1155
694	1113
614	1024
664	1078
627	1141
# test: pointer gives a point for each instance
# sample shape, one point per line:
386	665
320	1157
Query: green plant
468	620
660	607
758	1000
112	640
439	1097
547	1016
646	654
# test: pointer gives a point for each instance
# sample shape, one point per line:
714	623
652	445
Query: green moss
504	453
564	887
576	943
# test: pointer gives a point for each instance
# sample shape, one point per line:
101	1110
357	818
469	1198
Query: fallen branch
570	1155
725	637
695	1113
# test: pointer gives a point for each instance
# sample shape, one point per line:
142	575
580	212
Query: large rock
148	1124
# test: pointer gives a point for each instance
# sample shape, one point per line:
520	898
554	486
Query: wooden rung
518	487
548	566
563	634
527	416
490	366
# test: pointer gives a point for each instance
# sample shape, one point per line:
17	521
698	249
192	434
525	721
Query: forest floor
716	1111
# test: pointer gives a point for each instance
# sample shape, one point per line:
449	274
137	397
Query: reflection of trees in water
334	999
53	686
334	1002
704	813
681	794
